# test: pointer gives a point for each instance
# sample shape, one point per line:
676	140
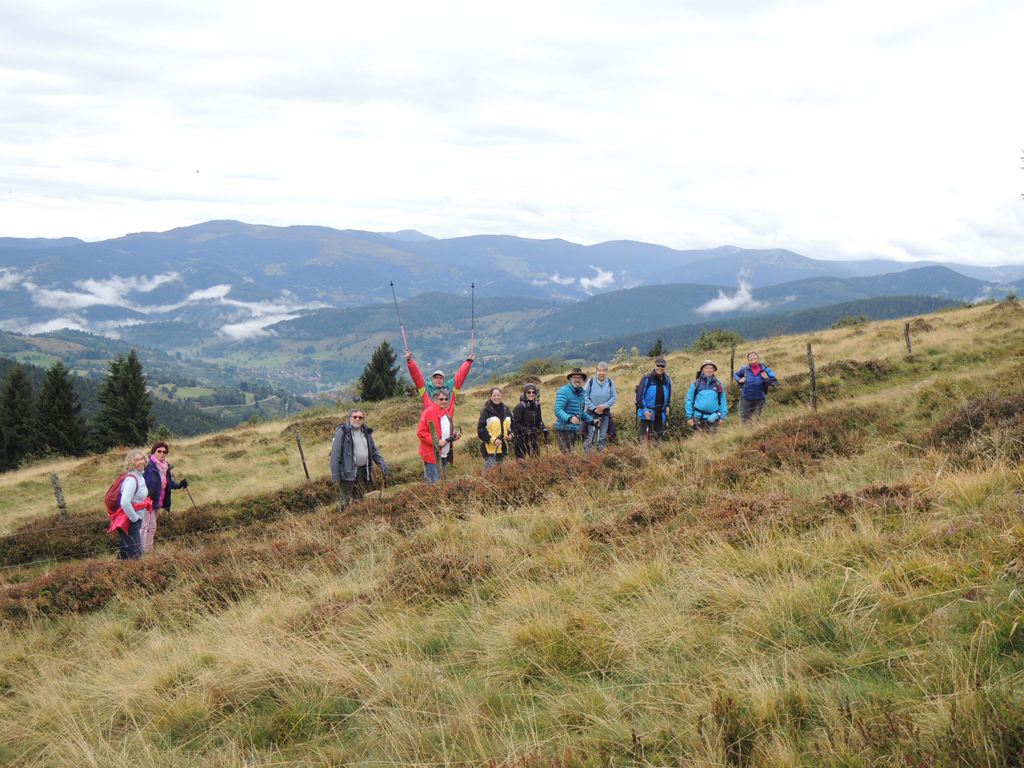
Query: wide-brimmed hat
574	372
708	362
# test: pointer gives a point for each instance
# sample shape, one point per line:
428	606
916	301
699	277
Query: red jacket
433	413
120	520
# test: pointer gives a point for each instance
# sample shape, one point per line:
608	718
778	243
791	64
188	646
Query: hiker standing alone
755	380
653	400
353	454
706	406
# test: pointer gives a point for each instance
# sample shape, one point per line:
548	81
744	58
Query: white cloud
556	278
9	279
214	292
820	122
742	299
252	329
109	292
25	326
603	280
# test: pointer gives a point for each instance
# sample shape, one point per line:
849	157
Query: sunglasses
358	418
659	366
160	450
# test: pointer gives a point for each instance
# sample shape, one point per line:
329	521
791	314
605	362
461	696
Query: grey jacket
342	465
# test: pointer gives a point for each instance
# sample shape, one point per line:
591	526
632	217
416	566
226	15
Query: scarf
756	369
162	466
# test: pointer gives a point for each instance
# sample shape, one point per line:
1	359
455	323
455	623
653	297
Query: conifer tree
124	415
379	380
657	350
18	437
57	419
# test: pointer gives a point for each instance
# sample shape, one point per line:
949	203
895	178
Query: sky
834	129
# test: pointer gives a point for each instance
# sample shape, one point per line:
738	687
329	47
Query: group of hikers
583	415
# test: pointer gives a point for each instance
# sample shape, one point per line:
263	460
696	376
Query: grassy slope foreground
839	588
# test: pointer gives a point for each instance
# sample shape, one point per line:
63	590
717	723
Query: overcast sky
835	129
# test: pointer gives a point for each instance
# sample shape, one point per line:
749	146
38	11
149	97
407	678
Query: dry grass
846	610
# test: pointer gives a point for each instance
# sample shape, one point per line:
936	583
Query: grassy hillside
839	588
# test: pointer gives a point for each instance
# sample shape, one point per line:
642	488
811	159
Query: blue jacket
152	477
597	393
755	388
570	402
647	397
705	398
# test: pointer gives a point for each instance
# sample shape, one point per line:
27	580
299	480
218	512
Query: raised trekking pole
472	315
399	316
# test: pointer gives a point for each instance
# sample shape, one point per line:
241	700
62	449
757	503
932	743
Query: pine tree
57	418
379	380
124	416
657	350
18	436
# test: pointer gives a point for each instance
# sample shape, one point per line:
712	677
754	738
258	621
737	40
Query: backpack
113	498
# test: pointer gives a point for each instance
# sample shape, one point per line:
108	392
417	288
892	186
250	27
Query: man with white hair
353	454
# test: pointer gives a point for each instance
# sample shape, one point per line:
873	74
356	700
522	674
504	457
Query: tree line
51	423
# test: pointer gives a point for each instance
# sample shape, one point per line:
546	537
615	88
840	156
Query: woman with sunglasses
439	413
159	483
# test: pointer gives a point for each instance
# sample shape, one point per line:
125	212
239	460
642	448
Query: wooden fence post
298	439
906	335
59	493
732	365
814	379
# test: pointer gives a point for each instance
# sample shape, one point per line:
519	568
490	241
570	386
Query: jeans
598	436
750	408
491	460
131	542
430	473
148	530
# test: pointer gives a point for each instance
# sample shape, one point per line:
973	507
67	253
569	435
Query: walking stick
192	500
472	315
437	451
399	316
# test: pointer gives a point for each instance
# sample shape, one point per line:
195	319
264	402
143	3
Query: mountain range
316	300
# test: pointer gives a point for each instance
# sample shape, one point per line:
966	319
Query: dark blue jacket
647	396
152	476
755	388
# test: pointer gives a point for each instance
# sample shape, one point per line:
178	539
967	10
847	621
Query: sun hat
574	372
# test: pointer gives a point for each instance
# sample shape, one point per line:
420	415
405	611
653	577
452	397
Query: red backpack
113	497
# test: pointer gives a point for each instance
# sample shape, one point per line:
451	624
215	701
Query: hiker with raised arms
439	413
571	411
653	401
755	379
494	429
353	454
127	503
437	381
706	405
527	423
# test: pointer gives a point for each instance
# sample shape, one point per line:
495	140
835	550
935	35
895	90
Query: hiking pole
192	500
472	315
399	316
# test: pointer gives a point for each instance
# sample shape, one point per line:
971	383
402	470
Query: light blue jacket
595	393
570	402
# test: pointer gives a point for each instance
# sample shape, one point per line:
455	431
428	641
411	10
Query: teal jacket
570	402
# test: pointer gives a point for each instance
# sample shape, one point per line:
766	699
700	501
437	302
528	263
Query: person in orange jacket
437	379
